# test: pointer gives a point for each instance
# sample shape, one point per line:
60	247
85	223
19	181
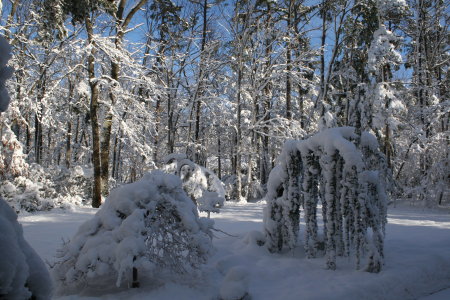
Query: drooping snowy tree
383	102
285	198
346	173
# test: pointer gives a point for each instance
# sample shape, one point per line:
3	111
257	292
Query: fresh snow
22	272
417	262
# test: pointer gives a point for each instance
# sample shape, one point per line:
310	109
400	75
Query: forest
222	149
104	90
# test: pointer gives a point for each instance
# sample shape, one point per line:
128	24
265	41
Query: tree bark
122	23
199	92
288	63
93	84
238	192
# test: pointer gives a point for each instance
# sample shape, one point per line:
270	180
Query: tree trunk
301	107
157	123
121	26
288	64
265	168
97	190
238	192
49	160
219	157
37	139
322	58
28	135
170	126
104	151
114	161
200	92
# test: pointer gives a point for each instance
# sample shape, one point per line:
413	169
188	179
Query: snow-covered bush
33	192
210	202
229	182
150	225
196	179
23	274
12	158
74	183
347	174
47	188
254	189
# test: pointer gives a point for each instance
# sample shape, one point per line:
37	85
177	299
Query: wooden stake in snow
135	283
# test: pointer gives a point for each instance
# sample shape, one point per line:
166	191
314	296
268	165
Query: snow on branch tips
149	227
346	173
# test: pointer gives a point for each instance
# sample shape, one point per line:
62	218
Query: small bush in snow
33	192
23	275
44	189
255	190
210	202
150	225
12	159
75	182
196	179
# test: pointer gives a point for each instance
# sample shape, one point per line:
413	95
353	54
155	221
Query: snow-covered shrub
150	225
210	202
23	274
347	174
229	182
12	159
47	188
196	179
33	192
254	189
74	183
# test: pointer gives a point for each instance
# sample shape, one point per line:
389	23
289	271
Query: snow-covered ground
417	260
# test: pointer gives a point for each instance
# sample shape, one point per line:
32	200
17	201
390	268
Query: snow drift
22	272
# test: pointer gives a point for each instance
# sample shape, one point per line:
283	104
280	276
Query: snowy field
417	260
